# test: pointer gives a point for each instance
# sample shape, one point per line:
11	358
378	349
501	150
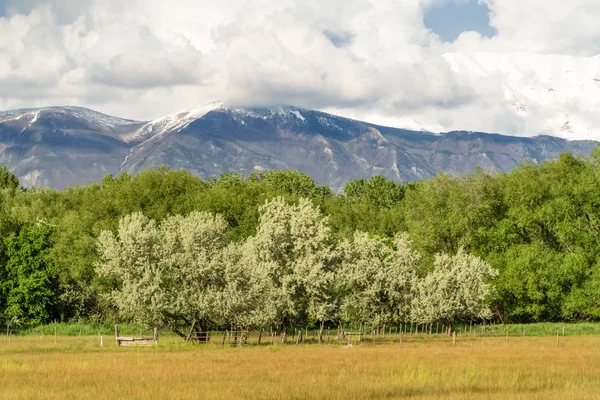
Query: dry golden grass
526	368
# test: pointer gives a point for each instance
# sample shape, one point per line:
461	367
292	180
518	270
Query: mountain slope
65	146
331	149
61	146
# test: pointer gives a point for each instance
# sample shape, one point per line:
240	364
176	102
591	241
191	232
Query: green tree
8	181
30	282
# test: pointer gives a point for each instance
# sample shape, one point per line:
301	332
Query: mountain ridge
64	146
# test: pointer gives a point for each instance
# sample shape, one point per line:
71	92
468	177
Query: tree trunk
187	339
341	332
321	331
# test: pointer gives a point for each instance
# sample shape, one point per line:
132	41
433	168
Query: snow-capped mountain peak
90	117
174	122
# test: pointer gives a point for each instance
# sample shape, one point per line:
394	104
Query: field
75	367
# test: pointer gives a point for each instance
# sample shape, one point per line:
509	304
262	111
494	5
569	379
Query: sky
522	67
451	19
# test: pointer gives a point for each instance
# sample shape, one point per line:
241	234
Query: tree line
182	274
536	230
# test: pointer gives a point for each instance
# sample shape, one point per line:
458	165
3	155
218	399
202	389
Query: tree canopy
537	226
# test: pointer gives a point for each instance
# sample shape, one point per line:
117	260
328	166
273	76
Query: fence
332	335
136	341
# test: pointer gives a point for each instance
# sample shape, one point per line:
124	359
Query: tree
379	190
377	279
30	282
144	289
456	290
8	180
166	275
191	250
293	251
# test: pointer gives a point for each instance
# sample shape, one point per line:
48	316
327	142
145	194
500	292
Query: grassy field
35	367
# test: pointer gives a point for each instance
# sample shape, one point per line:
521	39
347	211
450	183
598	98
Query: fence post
454	338
155	336
117	335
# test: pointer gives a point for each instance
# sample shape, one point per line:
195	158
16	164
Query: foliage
168	273
456	290
538	226
30	284
377	279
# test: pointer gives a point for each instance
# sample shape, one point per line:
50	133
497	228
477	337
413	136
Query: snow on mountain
94	117
62	146
86	116
180	120
173	122
554	94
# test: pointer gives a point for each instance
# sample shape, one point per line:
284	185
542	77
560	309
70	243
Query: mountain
62	146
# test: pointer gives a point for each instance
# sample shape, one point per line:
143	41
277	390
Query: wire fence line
346	335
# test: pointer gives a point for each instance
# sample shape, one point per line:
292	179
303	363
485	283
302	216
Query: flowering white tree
132	259
182	273
377	279
169	274
243	300
191	249
293	252
457	289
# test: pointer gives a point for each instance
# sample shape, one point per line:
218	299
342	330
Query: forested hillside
537	226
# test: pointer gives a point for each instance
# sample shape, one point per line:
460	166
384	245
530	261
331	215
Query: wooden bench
135	341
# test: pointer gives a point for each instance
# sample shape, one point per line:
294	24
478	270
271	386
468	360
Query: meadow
421	367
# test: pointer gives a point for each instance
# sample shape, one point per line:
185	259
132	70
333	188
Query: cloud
561	27
371	59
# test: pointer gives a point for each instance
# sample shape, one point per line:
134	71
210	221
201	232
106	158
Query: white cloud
547	26
365	59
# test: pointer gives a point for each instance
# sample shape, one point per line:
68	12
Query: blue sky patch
450	20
